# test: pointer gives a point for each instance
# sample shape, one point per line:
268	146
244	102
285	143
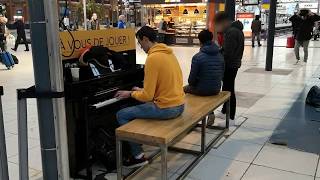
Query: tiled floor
245	154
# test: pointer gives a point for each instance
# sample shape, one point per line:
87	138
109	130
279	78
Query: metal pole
84	2
57	85
230	9
271	33
48	74
3	150
23	139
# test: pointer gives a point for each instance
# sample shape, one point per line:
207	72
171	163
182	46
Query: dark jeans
254	36
229	78
23	37
191	90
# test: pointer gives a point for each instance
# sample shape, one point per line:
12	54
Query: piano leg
119	158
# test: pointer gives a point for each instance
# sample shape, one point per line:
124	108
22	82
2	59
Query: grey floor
265	99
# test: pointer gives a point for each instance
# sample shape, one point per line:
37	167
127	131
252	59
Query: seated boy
207	68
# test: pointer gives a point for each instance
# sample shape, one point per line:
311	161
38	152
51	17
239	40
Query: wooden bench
164	134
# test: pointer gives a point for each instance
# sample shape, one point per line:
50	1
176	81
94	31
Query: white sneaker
297	61
232	123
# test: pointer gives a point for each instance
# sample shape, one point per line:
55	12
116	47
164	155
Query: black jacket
256	26
233	46
20	28
207	70
303	28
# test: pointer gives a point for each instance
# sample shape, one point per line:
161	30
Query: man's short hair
205	36
221	17
147	32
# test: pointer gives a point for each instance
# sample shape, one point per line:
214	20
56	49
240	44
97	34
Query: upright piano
90	104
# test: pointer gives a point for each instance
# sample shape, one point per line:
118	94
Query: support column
47	65
271	33
230	9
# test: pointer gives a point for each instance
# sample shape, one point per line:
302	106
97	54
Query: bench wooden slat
164	131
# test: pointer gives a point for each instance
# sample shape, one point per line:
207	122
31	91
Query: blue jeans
146	111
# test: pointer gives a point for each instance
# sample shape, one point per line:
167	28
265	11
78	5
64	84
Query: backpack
313	97
103	148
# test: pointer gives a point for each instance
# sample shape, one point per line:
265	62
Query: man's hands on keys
136	89
123	94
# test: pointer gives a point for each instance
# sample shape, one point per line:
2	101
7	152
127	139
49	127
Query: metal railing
3	150
22	96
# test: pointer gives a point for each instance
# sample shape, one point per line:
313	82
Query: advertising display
312	6
246	19
114	39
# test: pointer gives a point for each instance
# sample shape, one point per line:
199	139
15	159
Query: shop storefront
185	19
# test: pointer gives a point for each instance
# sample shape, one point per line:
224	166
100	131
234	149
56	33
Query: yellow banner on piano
115	39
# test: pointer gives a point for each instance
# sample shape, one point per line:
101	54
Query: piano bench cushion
157	132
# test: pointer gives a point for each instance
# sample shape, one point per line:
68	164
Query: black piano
90	104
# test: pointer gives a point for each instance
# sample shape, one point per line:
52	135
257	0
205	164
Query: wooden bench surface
164	131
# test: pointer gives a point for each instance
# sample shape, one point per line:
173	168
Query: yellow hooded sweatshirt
163	80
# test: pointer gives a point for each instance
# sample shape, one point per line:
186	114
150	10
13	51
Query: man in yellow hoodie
162	92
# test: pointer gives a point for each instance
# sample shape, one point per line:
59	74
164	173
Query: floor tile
150	174
271	110
237	150
318	171
287	159
14	171
35	161
12	145
261	122
252	135
194	137
217	168
264	173
175	161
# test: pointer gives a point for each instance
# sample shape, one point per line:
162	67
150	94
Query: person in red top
220	39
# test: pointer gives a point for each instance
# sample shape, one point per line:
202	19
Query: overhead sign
308	5
115	39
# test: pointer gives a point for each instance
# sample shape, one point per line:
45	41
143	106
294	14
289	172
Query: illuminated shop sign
246	19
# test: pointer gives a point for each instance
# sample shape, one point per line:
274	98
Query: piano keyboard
106	103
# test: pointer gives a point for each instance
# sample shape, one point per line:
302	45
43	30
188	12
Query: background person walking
303	23
256	28
3	22
21	35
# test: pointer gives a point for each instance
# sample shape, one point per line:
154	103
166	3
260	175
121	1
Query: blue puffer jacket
207	69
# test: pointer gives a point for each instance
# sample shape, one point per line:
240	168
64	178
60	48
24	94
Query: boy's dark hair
147	32
257	17
205	36
220	17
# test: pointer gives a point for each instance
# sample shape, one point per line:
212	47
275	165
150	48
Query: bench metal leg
119	158
227	113
203	133
164	168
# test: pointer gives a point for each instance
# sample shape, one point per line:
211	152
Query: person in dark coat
207	68
256	28
3	22
304	23
232	50
20	26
